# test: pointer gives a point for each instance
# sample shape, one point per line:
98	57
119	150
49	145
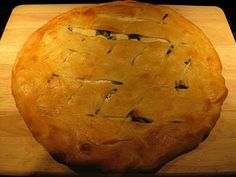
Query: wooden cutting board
20	154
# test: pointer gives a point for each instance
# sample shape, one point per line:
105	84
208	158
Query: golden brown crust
119	86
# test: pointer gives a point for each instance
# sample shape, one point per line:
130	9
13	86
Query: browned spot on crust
86	148
53	75
89	12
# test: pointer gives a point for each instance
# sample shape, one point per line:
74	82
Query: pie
119	86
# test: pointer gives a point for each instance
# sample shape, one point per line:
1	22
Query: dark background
6	7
